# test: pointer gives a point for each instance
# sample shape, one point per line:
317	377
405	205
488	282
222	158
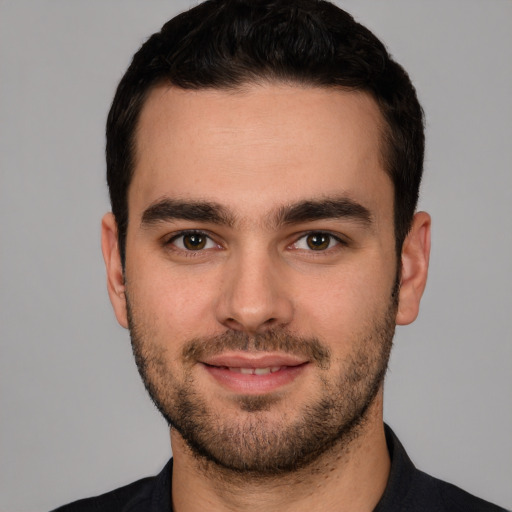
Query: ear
415	257
115	277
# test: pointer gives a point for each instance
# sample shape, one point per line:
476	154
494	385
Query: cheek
343	305
175	302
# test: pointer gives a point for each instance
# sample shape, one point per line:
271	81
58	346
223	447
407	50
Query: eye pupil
318	241
194	241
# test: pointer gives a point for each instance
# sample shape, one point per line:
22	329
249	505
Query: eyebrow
168	209
175	209
329	208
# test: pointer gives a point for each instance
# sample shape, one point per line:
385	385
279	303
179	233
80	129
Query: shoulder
152	493
413	490
430	493
126	498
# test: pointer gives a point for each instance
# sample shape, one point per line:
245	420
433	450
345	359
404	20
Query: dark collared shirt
408	490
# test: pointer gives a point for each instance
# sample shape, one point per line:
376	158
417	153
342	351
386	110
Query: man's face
260	268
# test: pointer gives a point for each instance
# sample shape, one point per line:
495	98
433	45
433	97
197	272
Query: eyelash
189	233
323	234
209	240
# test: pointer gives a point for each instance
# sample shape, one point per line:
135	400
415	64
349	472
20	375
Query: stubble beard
253	441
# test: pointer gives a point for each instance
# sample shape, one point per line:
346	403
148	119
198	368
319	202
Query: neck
350	476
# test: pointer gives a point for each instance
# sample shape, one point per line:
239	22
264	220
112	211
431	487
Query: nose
254	296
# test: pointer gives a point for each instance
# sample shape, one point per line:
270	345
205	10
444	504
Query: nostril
237	325
243	306
234	324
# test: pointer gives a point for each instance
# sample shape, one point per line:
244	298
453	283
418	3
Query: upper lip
253	360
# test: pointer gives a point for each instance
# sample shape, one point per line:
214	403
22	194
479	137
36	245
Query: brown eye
318	241
194	241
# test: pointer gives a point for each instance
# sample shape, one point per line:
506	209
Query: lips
256	371
253	360
251	373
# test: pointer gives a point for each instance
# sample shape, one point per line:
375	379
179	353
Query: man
264	161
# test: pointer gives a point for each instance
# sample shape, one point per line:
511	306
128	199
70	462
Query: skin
256	151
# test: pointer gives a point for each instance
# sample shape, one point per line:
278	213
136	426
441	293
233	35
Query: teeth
261	371
256	371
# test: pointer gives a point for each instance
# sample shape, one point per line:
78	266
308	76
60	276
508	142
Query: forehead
279	143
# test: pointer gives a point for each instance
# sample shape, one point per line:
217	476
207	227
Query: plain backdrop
74	418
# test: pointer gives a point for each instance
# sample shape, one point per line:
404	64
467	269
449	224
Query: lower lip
254	384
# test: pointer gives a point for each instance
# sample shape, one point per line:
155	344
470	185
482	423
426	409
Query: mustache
199	349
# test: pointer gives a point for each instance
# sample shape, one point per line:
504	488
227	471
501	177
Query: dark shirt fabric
408	490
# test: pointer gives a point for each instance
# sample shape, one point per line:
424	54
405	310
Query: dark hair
224	44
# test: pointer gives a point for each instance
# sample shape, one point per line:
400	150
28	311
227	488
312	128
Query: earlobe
114	268
415	258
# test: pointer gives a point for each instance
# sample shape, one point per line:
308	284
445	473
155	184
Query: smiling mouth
253	371
254	376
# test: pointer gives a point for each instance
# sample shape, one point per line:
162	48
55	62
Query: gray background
75	420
